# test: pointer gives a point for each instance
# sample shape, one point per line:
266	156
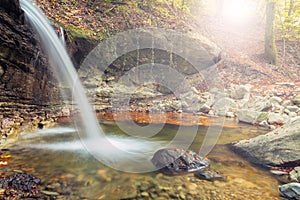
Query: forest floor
243	48
242	44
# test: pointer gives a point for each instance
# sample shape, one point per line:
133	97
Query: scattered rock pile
20	185
241	101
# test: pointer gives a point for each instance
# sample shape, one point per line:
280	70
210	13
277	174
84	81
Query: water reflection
60	160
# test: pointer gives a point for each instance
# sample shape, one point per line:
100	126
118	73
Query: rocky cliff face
27	87
24	75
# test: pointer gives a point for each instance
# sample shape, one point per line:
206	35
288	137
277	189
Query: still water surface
57	156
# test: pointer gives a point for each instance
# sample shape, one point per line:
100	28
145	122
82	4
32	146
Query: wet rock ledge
28	92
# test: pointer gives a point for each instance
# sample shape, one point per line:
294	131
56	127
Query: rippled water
58	157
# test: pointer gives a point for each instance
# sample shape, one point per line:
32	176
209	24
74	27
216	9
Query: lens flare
237	11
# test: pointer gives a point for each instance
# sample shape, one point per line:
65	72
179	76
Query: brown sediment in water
172	118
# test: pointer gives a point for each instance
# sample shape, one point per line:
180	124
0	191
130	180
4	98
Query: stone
276	108
295	174
281	144
50	193
272	127
285	84
276	118
211	113
230	114
178	161
292	108
210	175
190	186
286	103
290	191
195	90
248	116
296	100
223	105
258	104
242	103
145	194
264	123
204	108
286	111
103	175
275	100
239	91
292	114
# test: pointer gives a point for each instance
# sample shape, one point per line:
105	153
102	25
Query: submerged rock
20	185
178	161
290	191
209	175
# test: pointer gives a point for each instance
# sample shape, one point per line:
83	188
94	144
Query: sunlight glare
237	11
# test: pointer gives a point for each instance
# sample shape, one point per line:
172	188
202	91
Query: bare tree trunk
270	46
291	7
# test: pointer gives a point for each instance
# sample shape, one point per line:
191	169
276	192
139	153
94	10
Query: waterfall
116	152
62	35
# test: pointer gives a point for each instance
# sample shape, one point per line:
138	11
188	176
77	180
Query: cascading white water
62	36
113	151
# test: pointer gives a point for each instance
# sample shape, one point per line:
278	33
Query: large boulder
275	148
290	191
258	103
178	161
277	118
251	116
120	60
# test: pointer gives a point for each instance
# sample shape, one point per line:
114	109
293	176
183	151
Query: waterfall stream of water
112	151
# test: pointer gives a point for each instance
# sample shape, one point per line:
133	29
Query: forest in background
102	18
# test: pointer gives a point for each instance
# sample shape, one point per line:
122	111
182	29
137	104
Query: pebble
190	186
50	193
103	175
145	194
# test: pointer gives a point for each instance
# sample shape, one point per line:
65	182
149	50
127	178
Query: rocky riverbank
17	118
245	102
278	150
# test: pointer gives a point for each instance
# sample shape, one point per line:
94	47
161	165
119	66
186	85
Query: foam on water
125	144
48	132
140	151
59	146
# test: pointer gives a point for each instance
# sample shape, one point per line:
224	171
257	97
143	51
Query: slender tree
270	45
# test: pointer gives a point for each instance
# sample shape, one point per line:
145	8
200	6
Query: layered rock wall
27	88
